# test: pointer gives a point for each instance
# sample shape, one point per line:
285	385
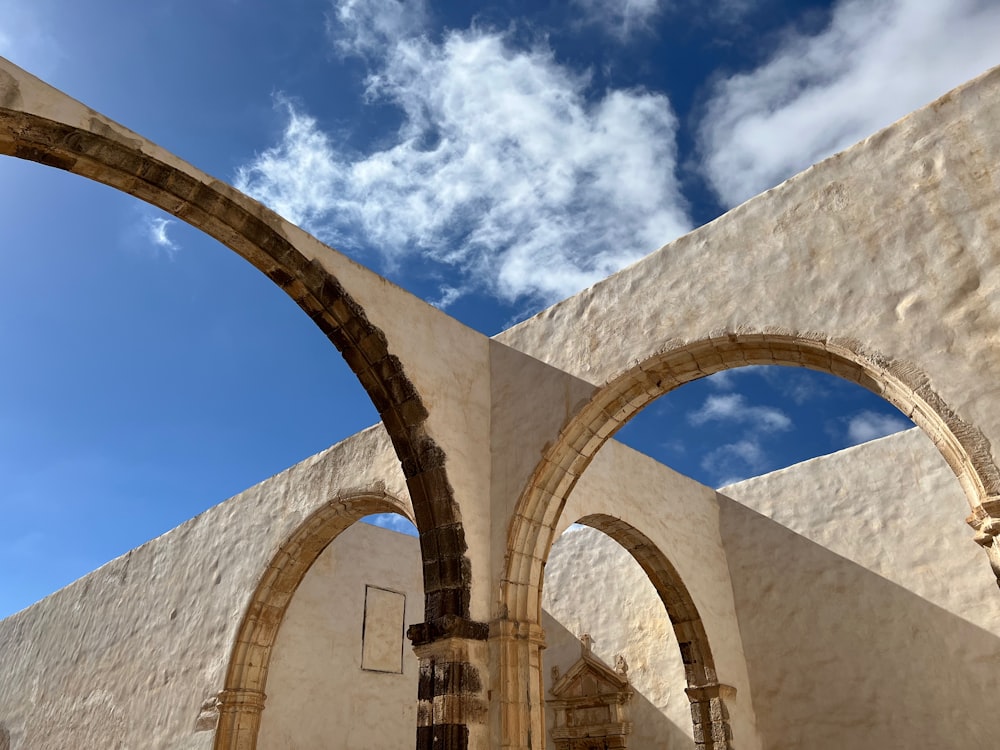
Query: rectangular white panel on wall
382	632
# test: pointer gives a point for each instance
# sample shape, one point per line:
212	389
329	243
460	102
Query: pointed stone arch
533	523
243	696
41	124
709	711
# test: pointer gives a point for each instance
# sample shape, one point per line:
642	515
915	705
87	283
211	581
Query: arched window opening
748	421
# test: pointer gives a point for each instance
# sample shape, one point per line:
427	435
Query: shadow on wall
839	656
651	729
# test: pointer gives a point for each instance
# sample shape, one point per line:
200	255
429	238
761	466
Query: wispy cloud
798	385
156	231
733	407
746	456
736	461
505	168
625	20
724	380
621	18
366	28
869	425
817	94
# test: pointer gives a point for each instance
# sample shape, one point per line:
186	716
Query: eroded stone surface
837	603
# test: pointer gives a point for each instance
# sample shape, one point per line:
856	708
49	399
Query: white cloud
732	407
368	27
874	63
723	380
502	169
736	461
870	425
621	18
156	230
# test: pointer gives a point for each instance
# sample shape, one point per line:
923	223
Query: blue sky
490	157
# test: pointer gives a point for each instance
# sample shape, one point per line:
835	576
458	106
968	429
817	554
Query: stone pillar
239	719
452	702
711	716
518	705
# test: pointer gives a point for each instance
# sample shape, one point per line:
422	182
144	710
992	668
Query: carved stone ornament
590	704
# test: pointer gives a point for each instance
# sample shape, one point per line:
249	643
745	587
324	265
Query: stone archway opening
243	700
610	592
532	530
41	124
139	389
963	447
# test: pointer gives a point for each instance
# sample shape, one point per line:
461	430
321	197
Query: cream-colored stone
861	600
837	603
321	692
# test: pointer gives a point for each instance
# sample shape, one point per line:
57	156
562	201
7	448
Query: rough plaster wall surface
594	586
867	617
126	656
531	403
681	517
892	242
412	328
318	696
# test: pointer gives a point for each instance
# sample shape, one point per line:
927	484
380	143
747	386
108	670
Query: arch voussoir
84	143
538	510
243	696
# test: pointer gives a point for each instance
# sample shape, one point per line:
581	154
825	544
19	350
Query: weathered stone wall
863	610
127	656
867	617
319	696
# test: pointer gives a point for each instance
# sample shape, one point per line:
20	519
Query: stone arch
40	124
242	697
533	523
709	712
532	529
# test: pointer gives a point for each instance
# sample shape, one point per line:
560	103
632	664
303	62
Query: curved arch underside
242	699
532	529
696	654
709	711
89	145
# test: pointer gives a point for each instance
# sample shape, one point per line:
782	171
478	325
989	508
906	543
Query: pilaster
518	708
452	699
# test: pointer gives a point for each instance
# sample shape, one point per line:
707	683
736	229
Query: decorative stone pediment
590	703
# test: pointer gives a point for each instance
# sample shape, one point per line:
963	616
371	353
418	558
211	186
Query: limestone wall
861	605
594	586
868	619
127	656
321	694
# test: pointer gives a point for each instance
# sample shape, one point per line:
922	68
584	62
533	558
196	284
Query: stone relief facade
590	702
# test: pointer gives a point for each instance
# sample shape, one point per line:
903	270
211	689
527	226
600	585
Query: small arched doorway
610	585
244	696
